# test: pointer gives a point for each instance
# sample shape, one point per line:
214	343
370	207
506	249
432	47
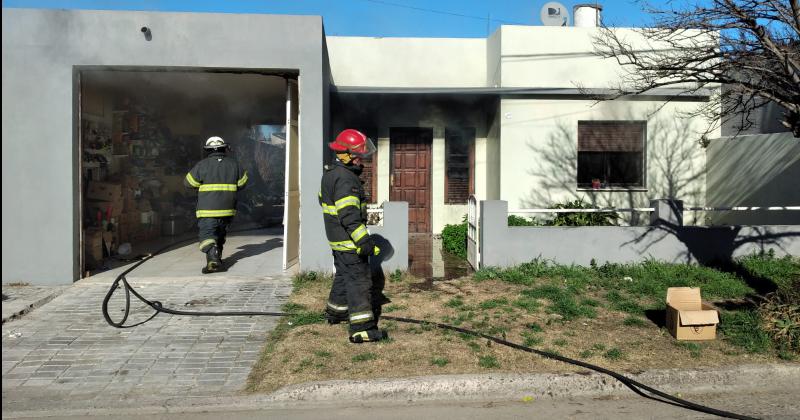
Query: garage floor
254	253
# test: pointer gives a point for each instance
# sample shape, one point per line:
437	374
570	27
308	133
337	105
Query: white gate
473	233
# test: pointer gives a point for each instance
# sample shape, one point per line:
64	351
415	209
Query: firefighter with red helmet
353	297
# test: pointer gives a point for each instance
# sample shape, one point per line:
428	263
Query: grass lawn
611	315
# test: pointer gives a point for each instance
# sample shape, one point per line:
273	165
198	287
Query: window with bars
611	154
459	164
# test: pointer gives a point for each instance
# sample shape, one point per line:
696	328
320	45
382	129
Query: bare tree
749	47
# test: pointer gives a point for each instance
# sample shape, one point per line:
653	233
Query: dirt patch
612	338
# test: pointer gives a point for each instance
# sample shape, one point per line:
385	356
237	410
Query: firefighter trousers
212	231
352	292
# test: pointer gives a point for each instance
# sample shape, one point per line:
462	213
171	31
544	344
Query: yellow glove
375	250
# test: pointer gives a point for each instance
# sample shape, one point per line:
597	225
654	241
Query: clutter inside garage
142	131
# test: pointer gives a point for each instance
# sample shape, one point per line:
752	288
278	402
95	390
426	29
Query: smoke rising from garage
141	131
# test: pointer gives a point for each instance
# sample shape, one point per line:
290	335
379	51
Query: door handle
391	180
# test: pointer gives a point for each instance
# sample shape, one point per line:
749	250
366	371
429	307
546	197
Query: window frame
623	187
461	131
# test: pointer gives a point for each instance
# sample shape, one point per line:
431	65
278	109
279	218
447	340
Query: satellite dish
554	14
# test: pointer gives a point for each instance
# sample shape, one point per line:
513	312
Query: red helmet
353	141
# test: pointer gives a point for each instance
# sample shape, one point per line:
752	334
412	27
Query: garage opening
142	130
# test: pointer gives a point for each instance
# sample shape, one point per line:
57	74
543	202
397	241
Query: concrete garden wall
664	240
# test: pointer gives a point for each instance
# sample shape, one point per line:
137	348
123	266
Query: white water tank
586	15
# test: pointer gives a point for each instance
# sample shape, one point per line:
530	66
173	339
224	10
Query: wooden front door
410	177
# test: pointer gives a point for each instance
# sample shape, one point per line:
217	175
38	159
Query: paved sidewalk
64	355
21	298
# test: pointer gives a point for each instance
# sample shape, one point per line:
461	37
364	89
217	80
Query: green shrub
454	239
521	221
581	219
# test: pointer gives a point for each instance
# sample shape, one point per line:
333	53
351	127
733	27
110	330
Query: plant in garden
454	239
780	313
582	219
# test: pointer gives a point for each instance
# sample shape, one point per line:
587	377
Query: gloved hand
363	250
366	247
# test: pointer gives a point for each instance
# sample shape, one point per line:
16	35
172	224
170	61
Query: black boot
213	262
335	318
370	335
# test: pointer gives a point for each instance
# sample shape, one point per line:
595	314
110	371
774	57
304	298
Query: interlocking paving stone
66	351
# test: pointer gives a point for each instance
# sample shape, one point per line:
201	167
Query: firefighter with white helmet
217	179
353	297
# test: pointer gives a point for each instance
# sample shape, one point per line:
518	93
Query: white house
511	117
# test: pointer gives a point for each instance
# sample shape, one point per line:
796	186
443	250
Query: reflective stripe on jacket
217	178
344	208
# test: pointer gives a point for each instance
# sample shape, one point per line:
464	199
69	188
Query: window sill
615	189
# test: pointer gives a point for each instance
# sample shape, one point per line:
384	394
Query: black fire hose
635	386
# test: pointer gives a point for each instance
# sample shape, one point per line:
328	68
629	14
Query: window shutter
459	151
611	136
368	178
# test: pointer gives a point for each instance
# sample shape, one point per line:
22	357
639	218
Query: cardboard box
93	245
104	191
689	318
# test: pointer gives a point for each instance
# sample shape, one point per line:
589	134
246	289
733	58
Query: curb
452	388
515	387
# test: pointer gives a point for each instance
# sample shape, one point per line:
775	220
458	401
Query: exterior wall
539	153
407	62
765	119
560	57
492	158
493	52
553	57
41	49
761	170
504	246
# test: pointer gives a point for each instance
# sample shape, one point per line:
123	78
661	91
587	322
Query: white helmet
215	142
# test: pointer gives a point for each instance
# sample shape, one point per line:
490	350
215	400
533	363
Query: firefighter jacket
217	179
344	208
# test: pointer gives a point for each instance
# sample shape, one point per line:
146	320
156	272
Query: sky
379	18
